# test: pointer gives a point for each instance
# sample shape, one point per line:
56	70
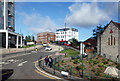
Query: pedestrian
50	62
46	60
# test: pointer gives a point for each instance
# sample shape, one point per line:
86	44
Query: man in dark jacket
50	62
46	60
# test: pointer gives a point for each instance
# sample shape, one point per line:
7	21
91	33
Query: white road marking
22	63
45	72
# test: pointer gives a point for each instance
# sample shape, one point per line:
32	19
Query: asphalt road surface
22	64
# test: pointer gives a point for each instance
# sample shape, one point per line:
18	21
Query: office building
65	34
45	37
8	38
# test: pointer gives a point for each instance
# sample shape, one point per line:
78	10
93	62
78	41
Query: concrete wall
111	51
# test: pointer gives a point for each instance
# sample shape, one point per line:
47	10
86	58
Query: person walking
50	62
46	60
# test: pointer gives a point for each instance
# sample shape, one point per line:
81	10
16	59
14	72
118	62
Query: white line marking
22	63
46	73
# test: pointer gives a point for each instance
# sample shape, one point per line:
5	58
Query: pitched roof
116	24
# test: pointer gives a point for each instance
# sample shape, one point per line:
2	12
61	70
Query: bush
90	61
105	62
62	61
70	61
76	61
101	64
93	69
79	67
75	72
118	66
98	70
97	74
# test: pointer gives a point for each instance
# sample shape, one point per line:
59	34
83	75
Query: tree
51	41
74	42
97	31
33	38
26	38
29	37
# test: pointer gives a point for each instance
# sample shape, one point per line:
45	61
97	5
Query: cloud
87	15
36	23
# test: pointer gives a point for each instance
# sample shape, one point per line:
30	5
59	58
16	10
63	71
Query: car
48	48
44	44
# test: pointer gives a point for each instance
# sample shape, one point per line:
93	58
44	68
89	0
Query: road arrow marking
22	63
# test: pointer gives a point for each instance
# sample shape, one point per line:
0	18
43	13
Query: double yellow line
44	74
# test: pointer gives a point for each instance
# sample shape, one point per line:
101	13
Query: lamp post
65	35
81	51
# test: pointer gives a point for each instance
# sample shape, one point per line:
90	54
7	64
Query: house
90	45
108	42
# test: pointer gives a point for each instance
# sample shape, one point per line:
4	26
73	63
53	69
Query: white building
66	34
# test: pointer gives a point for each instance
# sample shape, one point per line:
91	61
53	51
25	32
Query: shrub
90	61
97	74
70	60
101	64
105	62
118	66
101	68
93	69
98	70
78	67
76	61
67	70
62	61
75	72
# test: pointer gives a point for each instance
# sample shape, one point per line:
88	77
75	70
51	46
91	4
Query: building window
114	40
111	39
108	41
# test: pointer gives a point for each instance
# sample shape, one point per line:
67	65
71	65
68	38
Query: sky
35	17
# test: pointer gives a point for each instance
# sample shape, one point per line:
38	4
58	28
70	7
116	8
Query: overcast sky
35	17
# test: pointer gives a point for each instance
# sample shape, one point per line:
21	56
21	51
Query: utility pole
65	35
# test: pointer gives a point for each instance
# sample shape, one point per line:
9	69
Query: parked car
44	44
48	48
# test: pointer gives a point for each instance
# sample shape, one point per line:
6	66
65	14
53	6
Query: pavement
18	50
23	65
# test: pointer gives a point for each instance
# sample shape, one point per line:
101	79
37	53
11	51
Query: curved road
23	66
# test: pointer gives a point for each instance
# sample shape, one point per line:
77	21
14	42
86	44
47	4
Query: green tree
97	31
33	38
26	38
29	37
74	42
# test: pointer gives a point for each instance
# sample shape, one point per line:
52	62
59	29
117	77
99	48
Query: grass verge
70	52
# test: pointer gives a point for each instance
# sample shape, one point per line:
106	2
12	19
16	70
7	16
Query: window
114	40
111	39
108	41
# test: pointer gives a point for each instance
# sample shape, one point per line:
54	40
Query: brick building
45	37
109	42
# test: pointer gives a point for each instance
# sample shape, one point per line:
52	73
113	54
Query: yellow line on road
44	74
7	73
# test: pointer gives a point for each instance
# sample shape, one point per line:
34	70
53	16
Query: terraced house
108	42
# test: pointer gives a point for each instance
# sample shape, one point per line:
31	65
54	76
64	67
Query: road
23	64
